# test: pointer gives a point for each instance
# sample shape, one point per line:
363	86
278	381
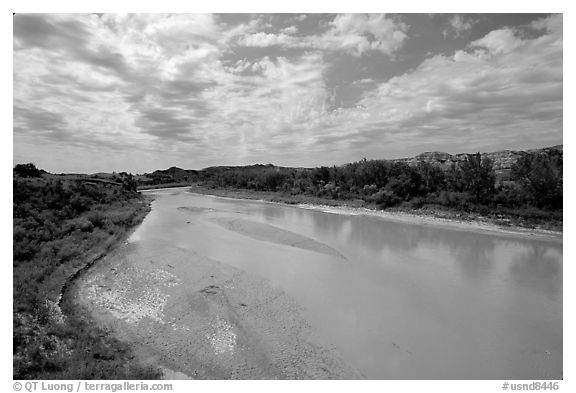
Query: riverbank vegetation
528	194
61	224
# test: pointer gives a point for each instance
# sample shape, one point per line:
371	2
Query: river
393	300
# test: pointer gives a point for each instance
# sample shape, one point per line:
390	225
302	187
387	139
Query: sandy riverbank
418	217
201	319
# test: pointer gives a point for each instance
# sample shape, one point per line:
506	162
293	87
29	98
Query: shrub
540	174
385	198
51	239
417	202
454	199
27	170
478	176
81	223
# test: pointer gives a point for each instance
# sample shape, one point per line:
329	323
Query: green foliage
27	170
385	198
454	199
478	177
127	181
57	225
468	186
433	179
540	175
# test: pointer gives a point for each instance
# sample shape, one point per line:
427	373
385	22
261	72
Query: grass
53	337
522	217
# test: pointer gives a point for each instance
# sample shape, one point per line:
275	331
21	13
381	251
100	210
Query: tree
321	175
478	176
540	175
27	170
129	183
433	178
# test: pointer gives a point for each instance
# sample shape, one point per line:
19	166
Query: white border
300	6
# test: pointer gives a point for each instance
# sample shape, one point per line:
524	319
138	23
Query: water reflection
272	212
408	301
533	263
539	267
368	232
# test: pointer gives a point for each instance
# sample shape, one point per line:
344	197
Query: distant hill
174	176
168	176
503	161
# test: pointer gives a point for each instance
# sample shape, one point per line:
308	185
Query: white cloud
471	98
352	33
141	84
498	42
262	39
457	26
290	30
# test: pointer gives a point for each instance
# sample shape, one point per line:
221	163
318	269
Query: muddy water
392	300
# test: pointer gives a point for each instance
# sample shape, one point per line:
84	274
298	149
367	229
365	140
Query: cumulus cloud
471	98
262	39
360	33
193	90
290	30
499	42
352	33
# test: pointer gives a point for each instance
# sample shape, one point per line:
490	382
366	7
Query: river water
396	300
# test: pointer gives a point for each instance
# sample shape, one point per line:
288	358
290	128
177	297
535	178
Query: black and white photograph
287	196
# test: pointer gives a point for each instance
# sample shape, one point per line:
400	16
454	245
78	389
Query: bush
510	194
56	226
80	203
27	170
385	198
68	252
417	203
453	199
540	174
81	223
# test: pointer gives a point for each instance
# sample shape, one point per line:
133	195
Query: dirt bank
202	319
478	224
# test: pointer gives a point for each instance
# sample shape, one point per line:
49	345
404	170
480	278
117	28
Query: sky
111	92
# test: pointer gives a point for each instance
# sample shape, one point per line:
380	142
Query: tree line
534	182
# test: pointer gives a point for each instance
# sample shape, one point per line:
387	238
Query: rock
503	160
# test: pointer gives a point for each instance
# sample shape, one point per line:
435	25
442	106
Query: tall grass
59	227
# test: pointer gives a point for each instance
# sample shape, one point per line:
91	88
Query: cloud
351	33
31	30
39	121
290	30
359	33
166	123
505	88
209	90
262	40
498	42
69	37
458	25
552	24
